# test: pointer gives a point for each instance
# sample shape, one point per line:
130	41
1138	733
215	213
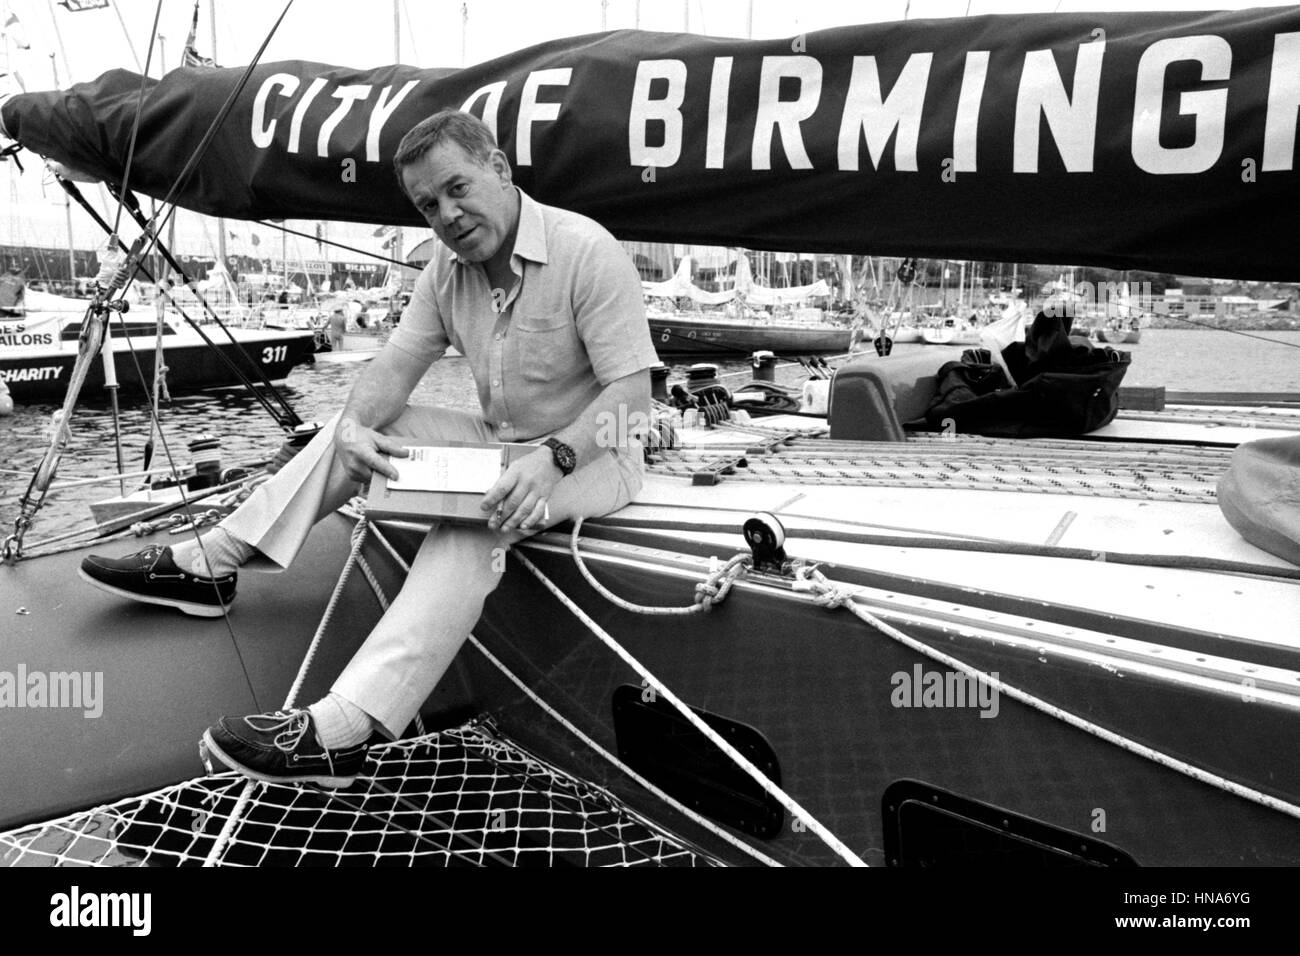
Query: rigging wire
288	420
1249	335
329	242
139	111
154	225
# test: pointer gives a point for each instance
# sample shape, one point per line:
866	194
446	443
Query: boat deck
1063	503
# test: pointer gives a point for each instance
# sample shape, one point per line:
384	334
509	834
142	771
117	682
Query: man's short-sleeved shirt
540	353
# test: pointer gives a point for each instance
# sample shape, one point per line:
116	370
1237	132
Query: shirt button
505	424
498	336
496	383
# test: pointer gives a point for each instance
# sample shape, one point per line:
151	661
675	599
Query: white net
461	797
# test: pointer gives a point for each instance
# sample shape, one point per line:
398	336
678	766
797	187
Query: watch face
564	455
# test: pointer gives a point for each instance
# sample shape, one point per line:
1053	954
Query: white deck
1255	608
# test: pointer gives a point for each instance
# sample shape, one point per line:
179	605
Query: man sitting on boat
547	309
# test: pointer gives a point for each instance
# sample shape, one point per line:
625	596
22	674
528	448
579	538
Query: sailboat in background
743	319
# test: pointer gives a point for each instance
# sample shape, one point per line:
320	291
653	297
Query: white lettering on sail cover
381	114
719	89
1283	102
300	111
865	111
773	113
347	95
264	132
666	110
1072	118
1210	107
965	134
491	104
532	112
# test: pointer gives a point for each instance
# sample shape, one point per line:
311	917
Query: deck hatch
929	827
659	743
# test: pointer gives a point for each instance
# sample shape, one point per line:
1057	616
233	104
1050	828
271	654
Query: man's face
470	205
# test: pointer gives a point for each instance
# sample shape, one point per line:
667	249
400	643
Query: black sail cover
1162	141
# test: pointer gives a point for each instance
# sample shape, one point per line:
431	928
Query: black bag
1065	389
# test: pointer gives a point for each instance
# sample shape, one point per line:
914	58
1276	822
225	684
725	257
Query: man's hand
520	495
361	450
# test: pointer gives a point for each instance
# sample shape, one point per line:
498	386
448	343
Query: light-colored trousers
414	643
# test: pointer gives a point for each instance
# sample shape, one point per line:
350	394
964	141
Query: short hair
464	129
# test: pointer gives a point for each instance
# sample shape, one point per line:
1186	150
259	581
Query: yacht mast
221	222
397	58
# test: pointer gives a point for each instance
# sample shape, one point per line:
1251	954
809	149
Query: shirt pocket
547	346
542	322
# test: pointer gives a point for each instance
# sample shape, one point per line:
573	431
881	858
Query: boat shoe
153	577
281	747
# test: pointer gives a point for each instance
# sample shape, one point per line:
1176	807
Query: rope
358	539
712	590
382	598
831	596
232	821
672	801
577	732
228	829
709	733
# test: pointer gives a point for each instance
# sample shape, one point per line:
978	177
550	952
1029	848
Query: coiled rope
712	590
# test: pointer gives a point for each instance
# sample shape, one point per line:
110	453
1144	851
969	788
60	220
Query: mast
67	208
163	268
397	58
221	222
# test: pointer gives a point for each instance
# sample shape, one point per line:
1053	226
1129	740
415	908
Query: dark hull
815	683
36	378
675	337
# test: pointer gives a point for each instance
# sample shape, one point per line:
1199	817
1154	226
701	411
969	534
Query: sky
434	33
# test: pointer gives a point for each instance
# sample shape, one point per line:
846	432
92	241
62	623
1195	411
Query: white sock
340	723
222	553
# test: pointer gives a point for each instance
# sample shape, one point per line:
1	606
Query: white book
442	468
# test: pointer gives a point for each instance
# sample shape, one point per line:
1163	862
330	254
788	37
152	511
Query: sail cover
1162	141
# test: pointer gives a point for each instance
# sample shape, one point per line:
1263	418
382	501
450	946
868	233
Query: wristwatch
565	459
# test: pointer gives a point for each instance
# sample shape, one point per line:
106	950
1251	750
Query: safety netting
467	796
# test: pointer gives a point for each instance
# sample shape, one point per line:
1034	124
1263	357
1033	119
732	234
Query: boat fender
765	536
6	400
816	396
